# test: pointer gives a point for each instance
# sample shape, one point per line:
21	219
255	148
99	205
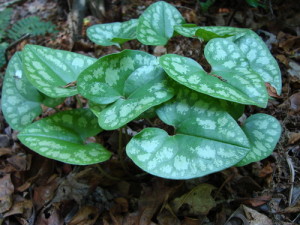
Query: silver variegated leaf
113	33
50	70
263	132
130	81
207	139
156	24
62	137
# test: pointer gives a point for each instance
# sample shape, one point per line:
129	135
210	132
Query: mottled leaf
207	139
63	135
253	47
20	100
156	24
131	80
231	78
112	33
50	70
263	132
260	59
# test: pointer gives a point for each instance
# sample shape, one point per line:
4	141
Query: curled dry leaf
271	90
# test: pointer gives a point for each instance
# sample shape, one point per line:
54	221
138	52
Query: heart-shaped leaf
231	78
112	33
254	49
156	24
263	132
260	58
207	139
50	70
21	101
62	137
132	79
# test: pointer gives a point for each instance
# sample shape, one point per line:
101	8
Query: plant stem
104	173
78	101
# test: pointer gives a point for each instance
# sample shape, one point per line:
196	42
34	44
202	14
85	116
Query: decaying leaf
6	191
87	215
256	218
199	200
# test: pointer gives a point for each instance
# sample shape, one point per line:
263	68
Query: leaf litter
38	191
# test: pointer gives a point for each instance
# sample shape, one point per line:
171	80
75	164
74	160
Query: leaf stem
104	173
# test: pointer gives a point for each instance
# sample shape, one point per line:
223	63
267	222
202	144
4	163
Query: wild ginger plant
202	107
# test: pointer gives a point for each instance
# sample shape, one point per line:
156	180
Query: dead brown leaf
151	199
49	216
6	191
44	194
23	207
258	201
256	218
87	215
293	137
295	101
271	90
199	201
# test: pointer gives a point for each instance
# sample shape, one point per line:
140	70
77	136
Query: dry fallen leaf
295	101
256	218
6	191
87	215
199	200
293	138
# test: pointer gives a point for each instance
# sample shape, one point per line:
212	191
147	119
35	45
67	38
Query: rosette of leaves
63	137
129	82
207	139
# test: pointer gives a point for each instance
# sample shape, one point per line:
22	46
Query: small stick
292	177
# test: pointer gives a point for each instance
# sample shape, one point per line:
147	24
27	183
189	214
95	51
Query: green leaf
20	100
156	24
209	32
62	137
49	70
263	132
229	62
207	139
113	33
238	82
131	80
260	59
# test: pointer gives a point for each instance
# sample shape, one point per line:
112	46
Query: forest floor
36	190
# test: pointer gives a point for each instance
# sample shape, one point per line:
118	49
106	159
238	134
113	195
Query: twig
292	177
12	45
